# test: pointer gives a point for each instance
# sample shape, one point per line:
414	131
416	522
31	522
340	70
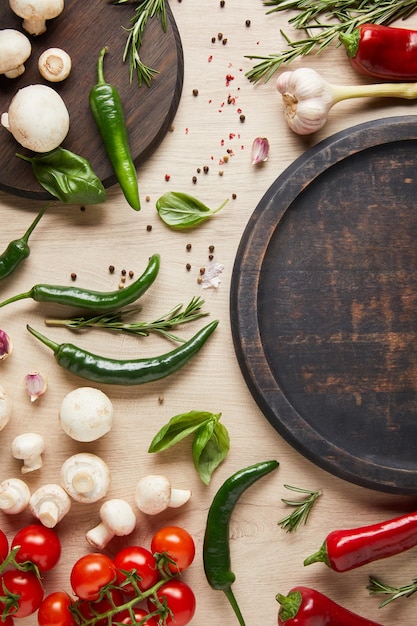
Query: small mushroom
154	494
29	447
86	414
54	65
14	496
49	504
5	407
117	518
35	14
85	477
37	118
15	49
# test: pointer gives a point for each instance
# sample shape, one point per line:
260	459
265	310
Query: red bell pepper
304	606
383	52
345	550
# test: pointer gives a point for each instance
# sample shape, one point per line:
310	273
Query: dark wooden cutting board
324	304
82	30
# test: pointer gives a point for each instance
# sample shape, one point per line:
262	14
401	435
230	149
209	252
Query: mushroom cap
153	494
37	118
54	64
85	477
26	445
15	49
86	414
118	516
28	9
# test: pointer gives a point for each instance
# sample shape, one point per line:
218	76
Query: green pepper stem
100	67
34	224
231	597
19	296
48	342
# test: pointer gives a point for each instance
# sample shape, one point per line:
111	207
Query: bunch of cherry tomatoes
136	586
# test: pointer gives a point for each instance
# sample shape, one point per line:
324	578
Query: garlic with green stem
308	98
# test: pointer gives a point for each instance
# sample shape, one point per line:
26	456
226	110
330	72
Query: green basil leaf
210	447
181	211
67	176
179	427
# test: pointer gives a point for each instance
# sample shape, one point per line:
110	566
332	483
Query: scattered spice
211	257
211	276
194	180
224	42
221	172
222	3
206	169
148	198
188	247
213	40
188	267
167	177
211	248
149	228
131	273
161	398
247	23
195	92
242	117
73	276
202	270
234	196
220	36
111	269
123	279
123	272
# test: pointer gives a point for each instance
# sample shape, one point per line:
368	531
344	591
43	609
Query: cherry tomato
90	574
38	544
89	610
4	546
55	610
178	544
139	614
142	562
28	589
180	601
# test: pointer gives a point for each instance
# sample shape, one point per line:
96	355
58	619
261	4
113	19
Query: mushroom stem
117	518
50	503
14	496
83	482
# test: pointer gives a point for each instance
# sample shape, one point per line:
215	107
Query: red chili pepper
304	606
383	52
344	550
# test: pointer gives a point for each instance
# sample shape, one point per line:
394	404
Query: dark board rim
245	282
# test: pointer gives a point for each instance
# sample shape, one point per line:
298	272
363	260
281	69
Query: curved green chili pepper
101	369
101	301
107	110
216	550
18	249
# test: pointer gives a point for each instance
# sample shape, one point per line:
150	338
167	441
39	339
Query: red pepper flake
187	130
222	142
229	79
167	177
239	111
210	58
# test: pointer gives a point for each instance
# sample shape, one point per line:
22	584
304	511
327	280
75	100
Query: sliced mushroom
85	477
117	518
35	14
15	49
154	494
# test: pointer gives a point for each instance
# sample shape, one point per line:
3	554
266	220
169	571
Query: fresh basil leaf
210	447
181	211
67	176
179	427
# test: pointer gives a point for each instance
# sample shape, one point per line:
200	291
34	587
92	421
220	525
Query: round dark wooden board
82	30
324	305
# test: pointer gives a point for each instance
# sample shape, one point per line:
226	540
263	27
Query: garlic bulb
308	97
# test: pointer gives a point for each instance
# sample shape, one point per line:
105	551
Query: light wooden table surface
265	559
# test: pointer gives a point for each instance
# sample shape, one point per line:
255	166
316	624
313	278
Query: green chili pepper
216	550
100	301
101	369
18	249
107	110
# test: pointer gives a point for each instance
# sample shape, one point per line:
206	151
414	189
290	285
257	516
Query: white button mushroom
37	118
5	407
154	494
54	65
85	477
35	13
14	496
117	518
49	504
29	447
15	49
86	414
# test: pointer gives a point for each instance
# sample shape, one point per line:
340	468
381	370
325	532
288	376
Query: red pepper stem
351	42
320	556
290	605
231	597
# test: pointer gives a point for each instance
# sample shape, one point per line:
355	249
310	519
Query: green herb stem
376	586
115	321
302	509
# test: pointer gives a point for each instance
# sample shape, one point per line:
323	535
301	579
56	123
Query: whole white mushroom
36	12
86	414
15	49
37	118
54	64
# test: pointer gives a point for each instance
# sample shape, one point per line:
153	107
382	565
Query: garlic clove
6	345
260	150
36	385
5	407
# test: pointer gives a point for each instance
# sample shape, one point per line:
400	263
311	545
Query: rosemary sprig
114	321
145	10
322	23
302	509
376	587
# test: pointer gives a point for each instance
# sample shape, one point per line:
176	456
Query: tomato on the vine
90	574
23	592
38	544
180	602
138	616
55	610
139	560
4	546
177	544
106	605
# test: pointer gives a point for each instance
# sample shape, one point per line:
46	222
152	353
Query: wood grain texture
82	30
